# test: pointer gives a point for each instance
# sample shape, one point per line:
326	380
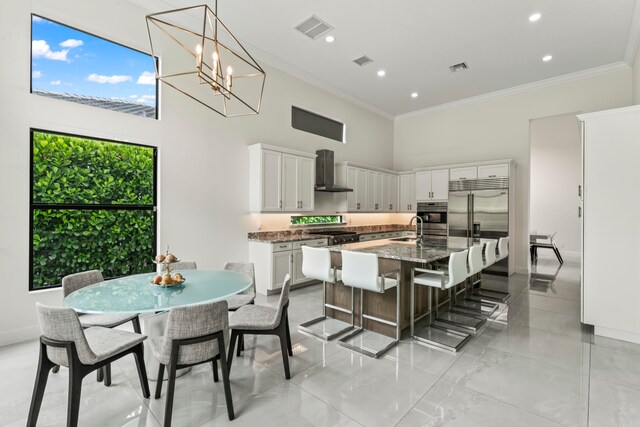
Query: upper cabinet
373	190
280	180
494	171
432	185
463	173
407	192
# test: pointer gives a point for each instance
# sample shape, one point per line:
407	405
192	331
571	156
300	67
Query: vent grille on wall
363	60
459	67
313	27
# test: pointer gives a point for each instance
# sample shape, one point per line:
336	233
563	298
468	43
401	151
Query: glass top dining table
136	294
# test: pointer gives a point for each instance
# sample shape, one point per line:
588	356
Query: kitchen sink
405	239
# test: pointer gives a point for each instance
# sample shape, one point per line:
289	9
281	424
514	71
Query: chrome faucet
419	237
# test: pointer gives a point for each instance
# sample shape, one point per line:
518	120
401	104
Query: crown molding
633	41
616	66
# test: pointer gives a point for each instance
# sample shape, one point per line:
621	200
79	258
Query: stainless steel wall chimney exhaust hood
325	173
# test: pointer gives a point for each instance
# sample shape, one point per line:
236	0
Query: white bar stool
435	335
491	258
360	270
469	306
316	264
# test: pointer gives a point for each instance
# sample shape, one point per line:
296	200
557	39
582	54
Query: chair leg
225	379
107	374
240	341
282	333
38	389
75	391
232	344
214	365
100	375
171	386
136	325
142	371
159	380
560	260
289	346
55	369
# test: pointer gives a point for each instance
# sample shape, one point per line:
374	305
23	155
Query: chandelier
203	60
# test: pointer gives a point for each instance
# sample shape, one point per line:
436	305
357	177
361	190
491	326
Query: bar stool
360	270
476	264
316	264
436	335
491	258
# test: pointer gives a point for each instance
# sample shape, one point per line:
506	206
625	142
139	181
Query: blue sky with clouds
70	61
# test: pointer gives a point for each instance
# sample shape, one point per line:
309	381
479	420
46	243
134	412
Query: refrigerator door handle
471	217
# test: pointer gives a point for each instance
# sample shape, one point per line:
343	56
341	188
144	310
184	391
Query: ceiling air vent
313	27
459	67
363	60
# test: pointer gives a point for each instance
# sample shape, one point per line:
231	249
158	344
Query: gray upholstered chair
64	342
194	335
248	296
260	320
184	265
72	283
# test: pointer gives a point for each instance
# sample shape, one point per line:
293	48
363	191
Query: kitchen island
393	256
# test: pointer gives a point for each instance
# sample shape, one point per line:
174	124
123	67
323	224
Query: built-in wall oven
434	219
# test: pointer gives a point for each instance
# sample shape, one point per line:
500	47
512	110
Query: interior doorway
556	169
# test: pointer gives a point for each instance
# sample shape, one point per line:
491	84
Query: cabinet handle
492	176
280	204
390	206
463	177
357	205
579	211
579	190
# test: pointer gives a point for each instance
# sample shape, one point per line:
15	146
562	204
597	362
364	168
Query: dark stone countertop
303	233
401	251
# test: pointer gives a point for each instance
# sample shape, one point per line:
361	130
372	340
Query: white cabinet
280	180
407	192
273	261
373	190
610	226
432	185
494	171
470	172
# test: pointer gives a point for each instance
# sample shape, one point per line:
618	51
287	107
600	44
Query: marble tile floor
531	364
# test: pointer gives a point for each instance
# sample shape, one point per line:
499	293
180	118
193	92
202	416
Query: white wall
203	157
556	172
499	128
636	79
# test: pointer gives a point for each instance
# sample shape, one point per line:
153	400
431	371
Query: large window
93	206
75	66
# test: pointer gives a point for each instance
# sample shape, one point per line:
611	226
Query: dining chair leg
232	344
38	389
225	379
107	374
214	365
159	380
282	333
55	369
289	346
142	371
75	392
171	386
136	325
240	341
100	375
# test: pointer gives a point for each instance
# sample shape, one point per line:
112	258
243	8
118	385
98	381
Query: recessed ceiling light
381	73
547	58
414	95
329	39
535	17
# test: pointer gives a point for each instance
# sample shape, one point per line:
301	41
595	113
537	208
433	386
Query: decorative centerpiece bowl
165	278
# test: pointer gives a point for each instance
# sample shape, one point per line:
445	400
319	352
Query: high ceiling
415	42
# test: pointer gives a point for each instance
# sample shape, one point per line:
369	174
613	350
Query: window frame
155	59
87	207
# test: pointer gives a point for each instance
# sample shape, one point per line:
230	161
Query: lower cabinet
273	261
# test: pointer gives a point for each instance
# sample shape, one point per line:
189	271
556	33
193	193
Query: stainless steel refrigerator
479	212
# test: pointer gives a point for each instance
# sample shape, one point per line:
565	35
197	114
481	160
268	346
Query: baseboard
617	334
19	335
